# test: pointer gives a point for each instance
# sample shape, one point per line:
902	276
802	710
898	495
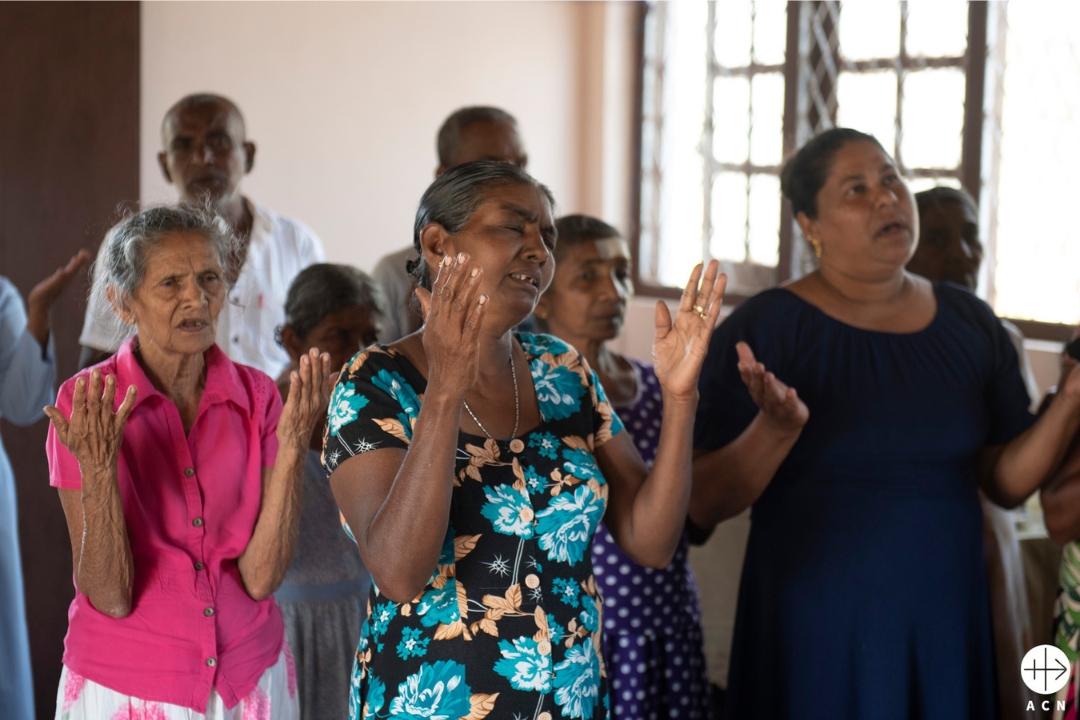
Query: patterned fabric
1067	608
658	676
272	698
1067	625
493	632
652	618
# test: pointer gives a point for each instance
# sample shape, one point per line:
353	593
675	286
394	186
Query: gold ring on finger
704	316
699	310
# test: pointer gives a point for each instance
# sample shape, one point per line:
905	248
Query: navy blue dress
864	591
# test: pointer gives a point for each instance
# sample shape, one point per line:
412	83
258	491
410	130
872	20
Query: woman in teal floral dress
473	493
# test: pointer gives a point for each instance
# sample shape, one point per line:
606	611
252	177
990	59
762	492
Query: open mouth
194	325
892	228
524	278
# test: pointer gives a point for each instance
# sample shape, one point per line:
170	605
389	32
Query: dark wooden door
69	156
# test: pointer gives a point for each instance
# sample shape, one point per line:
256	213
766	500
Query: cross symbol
1046	669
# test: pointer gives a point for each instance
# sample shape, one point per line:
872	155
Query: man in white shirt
205	155
469	134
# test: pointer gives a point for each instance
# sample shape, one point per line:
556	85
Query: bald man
205	155
469	134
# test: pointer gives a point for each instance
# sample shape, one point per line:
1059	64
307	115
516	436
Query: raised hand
780	405
46	292
94	432
309	395
680	346
452	319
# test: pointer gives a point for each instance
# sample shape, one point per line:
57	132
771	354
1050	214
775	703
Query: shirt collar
223	383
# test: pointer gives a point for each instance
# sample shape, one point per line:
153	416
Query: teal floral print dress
509	625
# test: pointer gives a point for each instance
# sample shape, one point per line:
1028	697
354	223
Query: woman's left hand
309	395
680	346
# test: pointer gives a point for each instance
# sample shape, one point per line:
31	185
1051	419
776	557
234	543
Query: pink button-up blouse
190	503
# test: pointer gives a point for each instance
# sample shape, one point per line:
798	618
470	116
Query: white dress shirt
279	248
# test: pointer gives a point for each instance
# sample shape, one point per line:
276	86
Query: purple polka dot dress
652	634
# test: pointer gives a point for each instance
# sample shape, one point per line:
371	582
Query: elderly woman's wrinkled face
867	223
589	293
511	235
177	305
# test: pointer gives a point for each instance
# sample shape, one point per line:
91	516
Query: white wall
344	100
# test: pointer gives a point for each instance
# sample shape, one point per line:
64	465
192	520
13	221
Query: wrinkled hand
780	405
309	396
680	346
48	291
94	432
452	318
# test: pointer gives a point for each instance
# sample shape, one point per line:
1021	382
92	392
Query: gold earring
816	245
540	312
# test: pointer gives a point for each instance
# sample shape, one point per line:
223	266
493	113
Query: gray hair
321	289
121	263
449	137
454	196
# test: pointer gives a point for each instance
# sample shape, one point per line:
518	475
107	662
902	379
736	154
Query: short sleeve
725	407
1007	399
271	414
606	422
64	469
373	407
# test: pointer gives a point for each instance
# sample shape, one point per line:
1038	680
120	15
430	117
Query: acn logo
1045	669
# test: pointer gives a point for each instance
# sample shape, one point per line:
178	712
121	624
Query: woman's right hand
94	432
452	319
779	404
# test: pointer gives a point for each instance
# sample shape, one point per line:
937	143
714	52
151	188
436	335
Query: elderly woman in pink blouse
180	475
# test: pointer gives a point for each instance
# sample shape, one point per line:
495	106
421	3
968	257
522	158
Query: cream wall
344	100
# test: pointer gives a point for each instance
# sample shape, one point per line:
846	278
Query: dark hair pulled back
805	173
454	196
325	288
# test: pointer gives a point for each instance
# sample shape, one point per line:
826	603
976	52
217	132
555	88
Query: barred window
731	88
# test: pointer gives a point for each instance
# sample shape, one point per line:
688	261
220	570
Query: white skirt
274	698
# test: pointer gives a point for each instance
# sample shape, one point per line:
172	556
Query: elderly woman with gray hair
180	475
338	309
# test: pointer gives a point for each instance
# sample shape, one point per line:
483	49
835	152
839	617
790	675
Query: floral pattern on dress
509	625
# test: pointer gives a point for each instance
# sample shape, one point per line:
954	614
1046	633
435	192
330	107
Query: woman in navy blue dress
858	410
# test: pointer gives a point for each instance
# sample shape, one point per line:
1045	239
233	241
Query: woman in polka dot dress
653	641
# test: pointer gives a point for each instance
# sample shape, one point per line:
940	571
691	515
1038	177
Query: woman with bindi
473	465
859	410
